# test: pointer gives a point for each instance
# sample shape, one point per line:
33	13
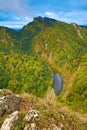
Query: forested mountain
30	56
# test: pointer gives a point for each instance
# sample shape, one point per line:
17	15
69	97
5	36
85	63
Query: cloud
18	23
13	24
51	14
15	13
19	12
78	17
20	7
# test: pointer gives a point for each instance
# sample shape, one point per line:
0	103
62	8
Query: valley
43	55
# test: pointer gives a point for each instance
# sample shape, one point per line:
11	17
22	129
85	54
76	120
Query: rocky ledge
27	112
9	104
30	122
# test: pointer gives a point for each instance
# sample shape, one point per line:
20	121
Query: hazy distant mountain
84	26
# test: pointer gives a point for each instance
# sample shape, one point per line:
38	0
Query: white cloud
14	24
18	18
18	22
51	14
26	18
18	6
78	17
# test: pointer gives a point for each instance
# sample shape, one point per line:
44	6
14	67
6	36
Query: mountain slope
7	40
30	56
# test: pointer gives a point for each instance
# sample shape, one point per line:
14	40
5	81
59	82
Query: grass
51	110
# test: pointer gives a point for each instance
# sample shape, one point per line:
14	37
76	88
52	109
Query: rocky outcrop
33	115
32	126
30	121
10	122
9	104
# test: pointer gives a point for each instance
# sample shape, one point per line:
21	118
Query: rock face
10	122
30	121
32	126
33	115
9	104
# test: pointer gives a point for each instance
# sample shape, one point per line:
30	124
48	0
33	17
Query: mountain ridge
30	56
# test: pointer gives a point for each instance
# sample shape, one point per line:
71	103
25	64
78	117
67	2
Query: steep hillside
28	32
7	40
30	56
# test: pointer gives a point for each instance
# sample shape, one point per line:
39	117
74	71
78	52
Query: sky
17	13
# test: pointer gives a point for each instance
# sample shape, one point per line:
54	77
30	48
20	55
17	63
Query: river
58	83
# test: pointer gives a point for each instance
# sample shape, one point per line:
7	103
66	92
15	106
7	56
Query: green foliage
20	126
25	73
78	93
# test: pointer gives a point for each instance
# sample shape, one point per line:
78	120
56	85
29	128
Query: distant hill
30	56
83	26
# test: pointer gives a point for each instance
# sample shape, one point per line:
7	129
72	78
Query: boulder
33	115
10	122
9	104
